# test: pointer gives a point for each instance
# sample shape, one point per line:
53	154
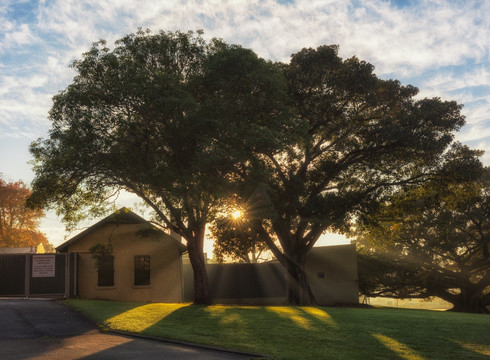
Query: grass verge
304	332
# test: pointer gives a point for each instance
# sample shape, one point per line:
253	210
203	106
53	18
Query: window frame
142	270
105	271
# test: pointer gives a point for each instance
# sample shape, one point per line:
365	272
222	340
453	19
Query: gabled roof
121	216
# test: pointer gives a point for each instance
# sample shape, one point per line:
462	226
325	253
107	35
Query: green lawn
305	332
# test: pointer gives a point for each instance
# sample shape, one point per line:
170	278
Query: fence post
67	276
27	277
75	275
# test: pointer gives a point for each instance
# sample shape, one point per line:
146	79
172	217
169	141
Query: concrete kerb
185	343
29	298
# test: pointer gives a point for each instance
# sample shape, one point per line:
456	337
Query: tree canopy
164	116
186	124
236	237
430	241
19	224
359	138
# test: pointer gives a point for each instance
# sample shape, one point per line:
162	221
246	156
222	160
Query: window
106	271
142	270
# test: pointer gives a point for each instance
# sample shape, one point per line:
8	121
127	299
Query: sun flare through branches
236	214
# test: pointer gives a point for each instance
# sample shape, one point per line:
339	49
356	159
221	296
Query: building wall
332	274
258	284
331	271
127	241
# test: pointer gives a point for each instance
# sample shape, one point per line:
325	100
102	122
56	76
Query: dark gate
12	275
33	275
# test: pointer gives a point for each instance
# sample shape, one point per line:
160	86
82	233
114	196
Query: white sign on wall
43	265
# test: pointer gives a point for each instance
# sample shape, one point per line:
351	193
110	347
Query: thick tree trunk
201	281
298	291
298	288
470	301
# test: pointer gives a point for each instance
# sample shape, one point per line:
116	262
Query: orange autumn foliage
19	224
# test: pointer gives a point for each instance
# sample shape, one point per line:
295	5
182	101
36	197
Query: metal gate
31	275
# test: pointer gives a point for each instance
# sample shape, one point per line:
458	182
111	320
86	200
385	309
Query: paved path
37	329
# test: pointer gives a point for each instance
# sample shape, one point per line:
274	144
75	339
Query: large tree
236	237
19	224
163	116
357	138
430	241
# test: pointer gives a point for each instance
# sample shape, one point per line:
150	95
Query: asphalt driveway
41	329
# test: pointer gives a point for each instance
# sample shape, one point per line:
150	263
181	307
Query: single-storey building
127	258
131	260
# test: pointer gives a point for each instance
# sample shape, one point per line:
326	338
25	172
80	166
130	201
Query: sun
236	214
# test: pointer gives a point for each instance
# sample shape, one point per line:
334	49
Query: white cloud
485	146
400	42
395	40
22	35
6	25
23	106
449	81
414	40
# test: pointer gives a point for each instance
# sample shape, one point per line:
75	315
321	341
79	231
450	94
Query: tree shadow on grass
419	334
313	332
282	332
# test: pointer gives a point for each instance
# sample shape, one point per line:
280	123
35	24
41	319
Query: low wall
332	274
331	271
241	283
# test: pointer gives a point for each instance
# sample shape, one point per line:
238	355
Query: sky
440	46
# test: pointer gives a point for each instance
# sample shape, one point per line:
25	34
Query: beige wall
165	274
255	284
332	274
331	271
